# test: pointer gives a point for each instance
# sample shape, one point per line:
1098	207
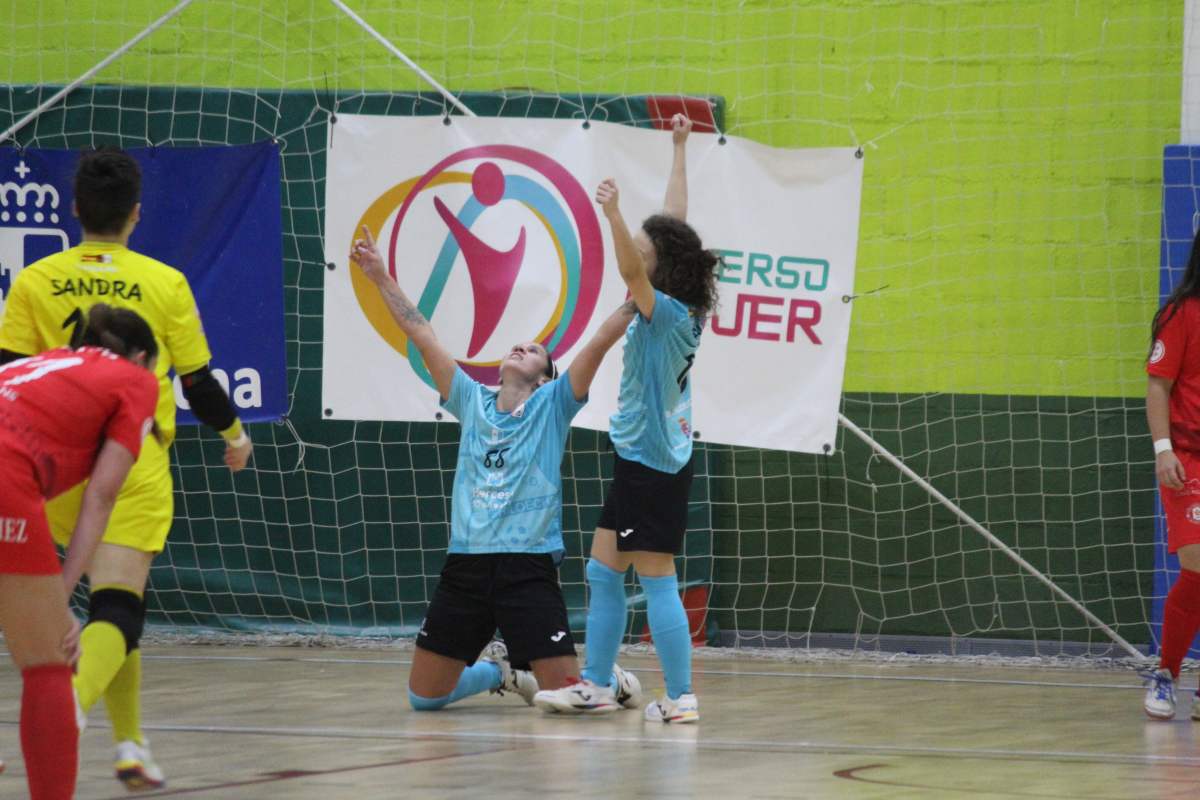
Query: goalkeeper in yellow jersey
48	300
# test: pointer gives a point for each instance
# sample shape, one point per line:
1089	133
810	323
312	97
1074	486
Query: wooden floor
302	724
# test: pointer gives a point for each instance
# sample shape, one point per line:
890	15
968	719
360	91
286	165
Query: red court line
851	775
292	774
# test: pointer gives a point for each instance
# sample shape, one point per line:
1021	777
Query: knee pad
122	609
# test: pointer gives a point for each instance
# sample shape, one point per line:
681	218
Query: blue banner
1181	218
212	213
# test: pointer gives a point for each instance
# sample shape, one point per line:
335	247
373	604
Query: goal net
1007	271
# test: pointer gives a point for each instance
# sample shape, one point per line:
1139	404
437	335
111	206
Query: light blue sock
605	621
481	676
669	627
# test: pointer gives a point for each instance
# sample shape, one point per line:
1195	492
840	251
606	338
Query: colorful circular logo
565	213
1157	353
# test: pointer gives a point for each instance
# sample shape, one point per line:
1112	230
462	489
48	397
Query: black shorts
515	592
648	509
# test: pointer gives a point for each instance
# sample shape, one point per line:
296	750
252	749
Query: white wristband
1161	446
242	439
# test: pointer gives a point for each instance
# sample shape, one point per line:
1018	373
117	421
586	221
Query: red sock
49	733
1181	620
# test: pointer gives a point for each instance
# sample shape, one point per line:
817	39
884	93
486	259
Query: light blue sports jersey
653	423
508	482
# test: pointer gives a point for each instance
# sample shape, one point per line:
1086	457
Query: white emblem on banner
30	214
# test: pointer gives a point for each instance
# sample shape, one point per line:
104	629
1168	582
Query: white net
1010	216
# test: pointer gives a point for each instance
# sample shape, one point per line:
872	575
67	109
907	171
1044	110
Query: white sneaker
628	688
580	697
1160	694
517	681
680	711
135	767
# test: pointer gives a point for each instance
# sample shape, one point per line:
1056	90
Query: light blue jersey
653	423
508	482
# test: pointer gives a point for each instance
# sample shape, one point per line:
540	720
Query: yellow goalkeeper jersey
49	298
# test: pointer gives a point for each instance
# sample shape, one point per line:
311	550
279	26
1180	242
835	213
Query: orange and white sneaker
680	711
135	767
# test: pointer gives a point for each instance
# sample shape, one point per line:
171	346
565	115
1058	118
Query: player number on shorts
682	379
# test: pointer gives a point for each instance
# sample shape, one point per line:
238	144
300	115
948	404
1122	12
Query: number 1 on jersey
73	321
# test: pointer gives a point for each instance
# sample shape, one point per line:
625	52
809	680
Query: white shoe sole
557	707
1161	716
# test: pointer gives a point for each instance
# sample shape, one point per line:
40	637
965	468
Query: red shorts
1182	506
25	544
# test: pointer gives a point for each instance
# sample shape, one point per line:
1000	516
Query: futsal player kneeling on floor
506	523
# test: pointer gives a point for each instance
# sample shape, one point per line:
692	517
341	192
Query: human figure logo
525	188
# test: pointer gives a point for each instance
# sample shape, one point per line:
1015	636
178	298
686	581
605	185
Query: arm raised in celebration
441	365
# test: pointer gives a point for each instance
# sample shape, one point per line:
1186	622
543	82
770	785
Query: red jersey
60	406
1176	356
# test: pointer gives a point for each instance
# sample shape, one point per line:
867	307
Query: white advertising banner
490	227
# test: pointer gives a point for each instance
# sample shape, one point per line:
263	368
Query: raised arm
441	366
675	203
630	263
583	368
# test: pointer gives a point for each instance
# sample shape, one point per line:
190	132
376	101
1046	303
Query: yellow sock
103	653
124	700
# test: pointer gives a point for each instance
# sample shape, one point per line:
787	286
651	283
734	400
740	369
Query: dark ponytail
120	330
1188	286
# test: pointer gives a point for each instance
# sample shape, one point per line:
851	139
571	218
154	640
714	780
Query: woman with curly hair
672	281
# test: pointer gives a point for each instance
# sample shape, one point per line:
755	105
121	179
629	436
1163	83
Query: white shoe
580	697
1160	694
135	767
680	711
628	688
517	681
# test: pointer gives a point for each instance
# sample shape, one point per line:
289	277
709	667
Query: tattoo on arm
404	310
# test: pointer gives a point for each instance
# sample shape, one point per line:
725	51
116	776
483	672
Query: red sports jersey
60	406
1176	356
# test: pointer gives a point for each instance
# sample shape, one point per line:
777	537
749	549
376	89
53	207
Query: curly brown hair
683	269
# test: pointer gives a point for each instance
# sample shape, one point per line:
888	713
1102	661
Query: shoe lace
1164	685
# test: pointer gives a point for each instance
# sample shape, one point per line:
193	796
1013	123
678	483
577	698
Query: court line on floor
295	774
692	740
852	774
695	671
